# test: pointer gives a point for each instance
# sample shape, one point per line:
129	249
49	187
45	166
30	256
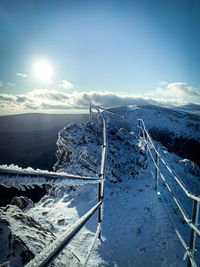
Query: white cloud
23	75
6	84
45	100
180	91
184	89
65	84
10	84
162	83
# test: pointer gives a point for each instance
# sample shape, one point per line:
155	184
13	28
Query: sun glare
43	70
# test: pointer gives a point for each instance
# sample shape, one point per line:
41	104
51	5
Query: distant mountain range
191	108
29	140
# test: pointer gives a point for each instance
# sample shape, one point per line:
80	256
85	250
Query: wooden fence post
195	215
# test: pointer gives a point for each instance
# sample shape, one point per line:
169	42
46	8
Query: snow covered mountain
191	108
177	130
136	230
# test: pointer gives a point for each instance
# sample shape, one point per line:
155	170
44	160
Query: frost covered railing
21	178
14	176
17	177
106	114
193	222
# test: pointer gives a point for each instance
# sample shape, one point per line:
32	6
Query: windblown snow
136	229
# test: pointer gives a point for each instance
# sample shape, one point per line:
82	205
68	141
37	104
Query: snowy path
136	230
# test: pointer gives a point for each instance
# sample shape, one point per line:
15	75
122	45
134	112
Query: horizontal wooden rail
48	255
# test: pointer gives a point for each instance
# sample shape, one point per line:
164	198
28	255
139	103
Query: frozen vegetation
136	230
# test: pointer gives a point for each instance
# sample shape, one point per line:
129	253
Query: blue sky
121	49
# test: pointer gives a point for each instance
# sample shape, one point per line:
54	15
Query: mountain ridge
135	227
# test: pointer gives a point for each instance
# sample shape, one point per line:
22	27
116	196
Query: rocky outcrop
80	147
22	202
21	237
191	167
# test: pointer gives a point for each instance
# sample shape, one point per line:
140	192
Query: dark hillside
37	121
184	147
29	140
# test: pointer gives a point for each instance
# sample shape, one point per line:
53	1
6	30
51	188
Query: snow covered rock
21	237
22	202
179	123
191	167
80	147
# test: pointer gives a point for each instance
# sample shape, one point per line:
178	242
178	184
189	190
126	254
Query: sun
43	70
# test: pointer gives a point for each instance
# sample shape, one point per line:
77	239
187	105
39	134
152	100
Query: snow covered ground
179	122
136	230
